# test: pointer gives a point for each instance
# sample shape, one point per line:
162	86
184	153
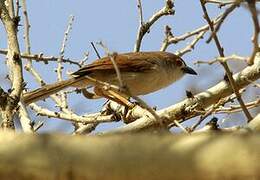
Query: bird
141	72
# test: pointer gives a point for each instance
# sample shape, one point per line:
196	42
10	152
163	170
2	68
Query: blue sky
115	22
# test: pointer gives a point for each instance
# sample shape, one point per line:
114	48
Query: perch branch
182	110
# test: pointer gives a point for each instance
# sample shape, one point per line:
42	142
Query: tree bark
8	104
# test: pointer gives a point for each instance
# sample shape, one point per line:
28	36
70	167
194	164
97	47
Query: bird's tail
47	90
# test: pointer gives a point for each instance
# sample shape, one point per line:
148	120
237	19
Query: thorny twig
14	64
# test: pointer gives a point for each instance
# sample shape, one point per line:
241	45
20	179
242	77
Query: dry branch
45	59
144	27
71	116
185	109
254	14
223	63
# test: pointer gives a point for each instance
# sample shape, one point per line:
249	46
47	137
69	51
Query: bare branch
95	118
171	39
223	63
17	8
45	59
225	59
23	113
191	45
184	110
14	63
237	108
252	8
145	26
96	51
228	11
63	96
25	119
221	3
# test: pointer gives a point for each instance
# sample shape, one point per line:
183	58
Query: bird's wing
128	62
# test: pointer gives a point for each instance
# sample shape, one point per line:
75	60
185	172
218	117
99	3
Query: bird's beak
188	70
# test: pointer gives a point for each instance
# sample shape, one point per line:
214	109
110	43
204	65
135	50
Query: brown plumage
143	72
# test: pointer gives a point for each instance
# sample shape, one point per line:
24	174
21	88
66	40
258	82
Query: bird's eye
179	62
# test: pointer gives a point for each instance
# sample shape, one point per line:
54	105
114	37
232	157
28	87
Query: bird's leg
121	98
114	96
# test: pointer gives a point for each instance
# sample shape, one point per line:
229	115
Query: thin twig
112	58
96	51
63	95
223	63
171	39
23	113
95	118
38	126
237	108
17	8
180	126
227	58
42	58
228	11
211	110
191	45
140	9
145	26
221	2
26	29
254	15
254	83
